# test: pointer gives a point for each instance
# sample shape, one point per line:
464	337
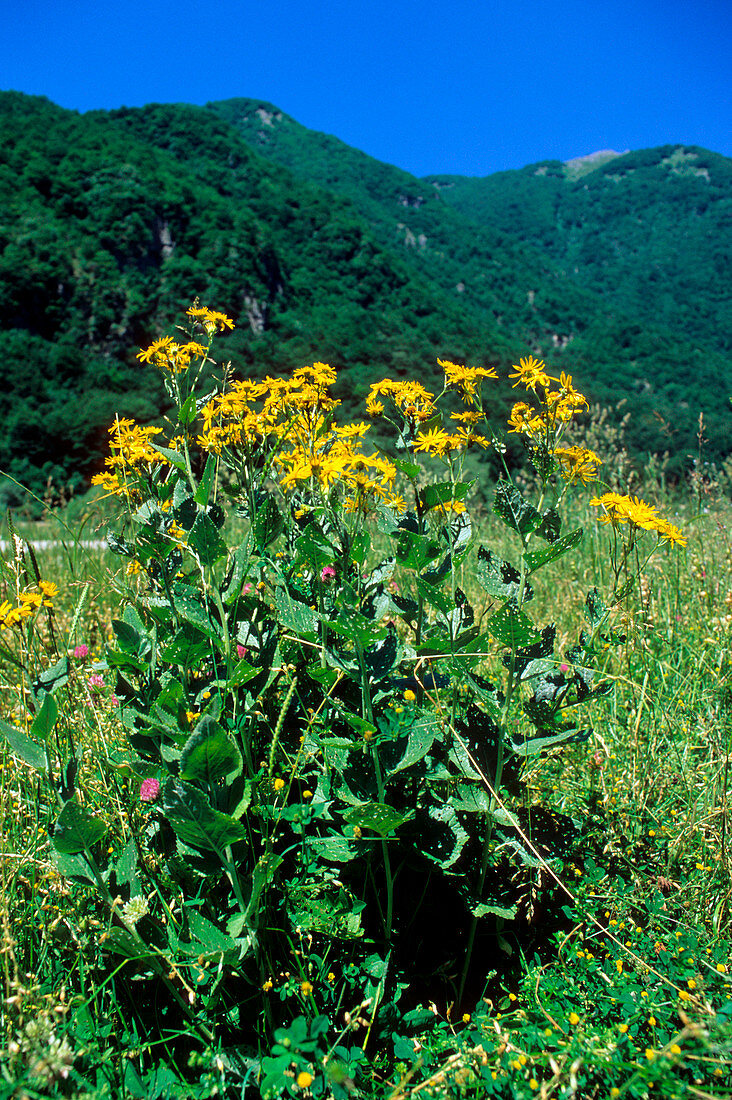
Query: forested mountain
111	222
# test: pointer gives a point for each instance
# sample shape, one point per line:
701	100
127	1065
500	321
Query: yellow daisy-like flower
531	373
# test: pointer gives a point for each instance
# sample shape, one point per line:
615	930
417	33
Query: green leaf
515	512
209	755
533	745
410	469
313	549
268	523
415	551
186	648
492	909
195	822
53	678
187	411
76	829
296	616
537	558
433	597
214	941
203	492
175	458
23	746
45	719
442	837
422	734
594	608
382	819
499	577
512	628
190	608
444	493
204	538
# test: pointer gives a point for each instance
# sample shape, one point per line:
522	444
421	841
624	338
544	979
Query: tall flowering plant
328	732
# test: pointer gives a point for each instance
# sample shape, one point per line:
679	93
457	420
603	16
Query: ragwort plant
327	740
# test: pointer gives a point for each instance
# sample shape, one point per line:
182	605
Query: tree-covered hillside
111	222
602	265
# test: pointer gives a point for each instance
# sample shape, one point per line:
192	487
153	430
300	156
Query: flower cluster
133	455
27	604
619	510
556	406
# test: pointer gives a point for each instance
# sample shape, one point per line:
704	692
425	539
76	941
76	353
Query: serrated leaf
594	608
195	821
213	940
205	539
444	492
498	577
53	678
422	735
512	628
517	513
415	551
534	744
187	411
296	616
433	597
492	909
536	558
268	523
209	755
175	458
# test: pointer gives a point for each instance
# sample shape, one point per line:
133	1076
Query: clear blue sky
462	86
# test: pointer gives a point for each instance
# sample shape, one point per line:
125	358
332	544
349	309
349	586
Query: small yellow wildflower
279	784
304	1080
306	989
574	1019
409	695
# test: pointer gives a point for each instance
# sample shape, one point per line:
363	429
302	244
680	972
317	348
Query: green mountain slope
111	222
651	231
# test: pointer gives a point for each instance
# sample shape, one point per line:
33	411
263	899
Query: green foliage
111	218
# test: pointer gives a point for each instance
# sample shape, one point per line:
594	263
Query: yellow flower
279	784
304	1080
409	695
306	989
530	373
434	441
574	1019
49	590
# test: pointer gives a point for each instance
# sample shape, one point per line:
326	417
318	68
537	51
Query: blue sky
462	86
